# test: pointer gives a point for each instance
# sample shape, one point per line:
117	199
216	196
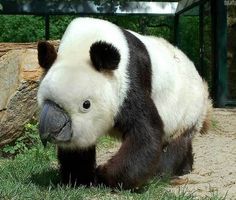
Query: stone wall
20	75
19	79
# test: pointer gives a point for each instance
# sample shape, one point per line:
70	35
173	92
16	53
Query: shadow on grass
46	178
50	178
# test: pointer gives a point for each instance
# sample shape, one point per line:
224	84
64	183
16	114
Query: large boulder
19	79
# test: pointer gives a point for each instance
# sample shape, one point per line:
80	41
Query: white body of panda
178	92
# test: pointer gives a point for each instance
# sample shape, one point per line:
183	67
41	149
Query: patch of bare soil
214	169
214	159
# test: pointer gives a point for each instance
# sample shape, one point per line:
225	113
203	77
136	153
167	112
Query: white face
70	87
72	80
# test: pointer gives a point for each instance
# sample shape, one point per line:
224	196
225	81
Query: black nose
54	124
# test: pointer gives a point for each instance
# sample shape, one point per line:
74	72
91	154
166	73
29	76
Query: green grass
33	174
214	123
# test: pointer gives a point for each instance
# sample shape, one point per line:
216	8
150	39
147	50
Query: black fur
141	155
140	70
177	156
77	166
46	54
140	125
104	56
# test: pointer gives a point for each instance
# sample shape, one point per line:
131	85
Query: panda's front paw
103	177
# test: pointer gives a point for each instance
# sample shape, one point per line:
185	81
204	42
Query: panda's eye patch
86	104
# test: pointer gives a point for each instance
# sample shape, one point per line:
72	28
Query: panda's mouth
54	124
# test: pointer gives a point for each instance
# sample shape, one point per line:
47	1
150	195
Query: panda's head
80	93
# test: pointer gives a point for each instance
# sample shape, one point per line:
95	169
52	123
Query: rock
19	79
5	47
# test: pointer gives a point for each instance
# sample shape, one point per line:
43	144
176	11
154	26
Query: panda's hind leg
77	167
187	163
177	157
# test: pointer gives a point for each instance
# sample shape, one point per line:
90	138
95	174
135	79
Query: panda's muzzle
54	124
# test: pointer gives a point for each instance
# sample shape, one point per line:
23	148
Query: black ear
104	56
46	54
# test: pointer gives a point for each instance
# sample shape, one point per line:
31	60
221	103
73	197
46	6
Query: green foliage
58	26
189	37
189	40
23	143
21	28
214	123
31	28
161	26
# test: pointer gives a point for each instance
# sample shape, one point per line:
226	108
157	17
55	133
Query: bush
21	28
29	139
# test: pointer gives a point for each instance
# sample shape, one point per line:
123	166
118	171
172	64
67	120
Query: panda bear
105	80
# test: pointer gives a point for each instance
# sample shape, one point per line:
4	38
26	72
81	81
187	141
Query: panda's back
178	91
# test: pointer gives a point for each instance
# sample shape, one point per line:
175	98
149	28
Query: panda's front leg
136	160
77	166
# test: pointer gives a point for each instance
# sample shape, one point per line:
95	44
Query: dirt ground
214	159
214	170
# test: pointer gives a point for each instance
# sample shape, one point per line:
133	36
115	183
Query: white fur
72	79
177	90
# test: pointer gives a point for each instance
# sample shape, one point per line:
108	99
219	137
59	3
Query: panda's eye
86	105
